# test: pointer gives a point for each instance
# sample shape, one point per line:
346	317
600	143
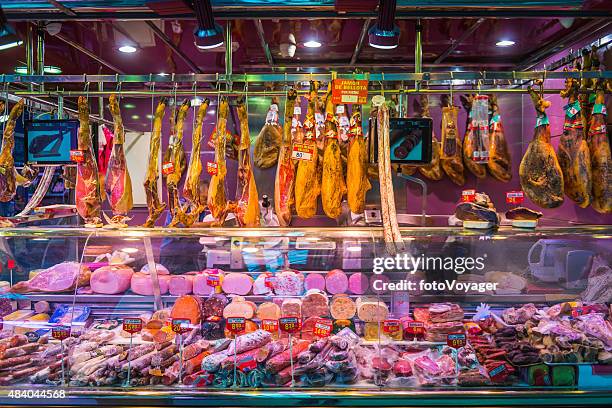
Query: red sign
303	151
349	91
497	372
269	325
290	324
132	326
167	168
468	196
235	324
77	156
322	328
212	168
60	332
247	364
10	264
456	340
181	326
269	281
581	310
415	328
515	197
213	280
391	326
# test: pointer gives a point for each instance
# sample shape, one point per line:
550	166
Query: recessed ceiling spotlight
49	69
128	49
312	44
135	117
207	33
505	43
129	106
385	34
162	74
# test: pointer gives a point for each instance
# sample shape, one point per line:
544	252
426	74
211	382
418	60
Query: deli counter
310	316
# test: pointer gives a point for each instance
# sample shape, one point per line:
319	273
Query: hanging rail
299	77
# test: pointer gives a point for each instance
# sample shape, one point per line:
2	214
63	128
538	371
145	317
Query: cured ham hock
174	159
500	161
154	203
247	199
333	186
601	158
285	171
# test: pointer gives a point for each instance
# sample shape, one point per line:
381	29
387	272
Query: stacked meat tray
285	329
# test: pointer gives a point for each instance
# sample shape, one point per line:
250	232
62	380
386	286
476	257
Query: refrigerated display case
306	316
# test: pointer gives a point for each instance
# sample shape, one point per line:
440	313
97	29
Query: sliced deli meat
336	281
62	277
111	280
268	310
237	284
371	310
343	307
239	308
291	308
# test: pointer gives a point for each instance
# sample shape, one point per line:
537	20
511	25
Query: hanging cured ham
452	163
88	201
118	184
174	161
191	189
247	199
10	178
540	173
601	158
500	161
573	152
267	144
432	171
217	201
307	183
154	203
357	183
470	141
285	170
333	186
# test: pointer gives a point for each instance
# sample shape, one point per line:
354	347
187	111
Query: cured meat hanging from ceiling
432	171
154	202
217	201
190	212
307	181
247	199
500	161
174	161
118	184
540	173
268	141
452	156
284	182
601	157
471	140
10	178
333	185
573	151
88	201
357	183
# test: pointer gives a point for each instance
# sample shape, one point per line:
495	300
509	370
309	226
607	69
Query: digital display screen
50	141
410	140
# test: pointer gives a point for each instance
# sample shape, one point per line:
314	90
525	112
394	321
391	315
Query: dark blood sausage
214	305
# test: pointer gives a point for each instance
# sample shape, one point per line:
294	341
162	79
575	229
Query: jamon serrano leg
176	155
247	199
154	203
285	171
601	158
217	201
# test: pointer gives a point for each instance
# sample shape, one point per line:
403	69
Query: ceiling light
128	49
312	44
207	33
8	36
135	117
49	69
162	74
505	43
385	34
149	116
129	106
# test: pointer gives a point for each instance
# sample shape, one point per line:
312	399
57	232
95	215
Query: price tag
303	151
515	197
468	196
269	281
212	168
322	328
269	325
297	110
349	91
10	263
77	156
480	156
581	310
391	326
213	280
132	326
167	168
60	332
415	328
33	337
235	324
180	326
290	324
456	340
246	364
497	371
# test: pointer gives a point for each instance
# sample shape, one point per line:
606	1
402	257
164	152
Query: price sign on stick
77	156
515	197
60	333
456	340
468	196
415	328
235	324
167	168
132	326
269	325
322	328
290	324
213	281
180	326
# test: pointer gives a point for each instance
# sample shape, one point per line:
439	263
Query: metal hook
451	87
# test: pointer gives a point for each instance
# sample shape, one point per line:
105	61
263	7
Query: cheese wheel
268	310
314	281
358	283
336	282
237	283
342	307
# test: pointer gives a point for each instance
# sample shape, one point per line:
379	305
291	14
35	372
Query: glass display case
294	315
